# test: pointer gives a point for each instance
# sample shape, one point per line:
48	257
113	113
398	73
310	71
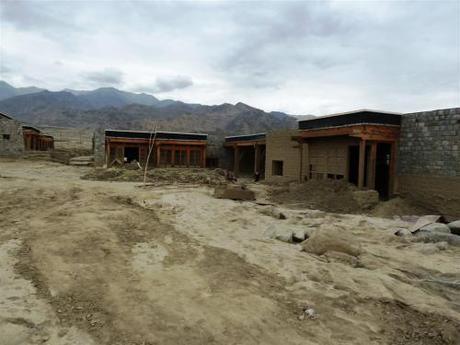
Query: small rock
433	237
403	232
280	234
298	236
454	227
442	245
436	227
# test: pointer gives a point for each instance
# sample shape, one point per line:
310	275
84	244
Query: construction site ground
106	262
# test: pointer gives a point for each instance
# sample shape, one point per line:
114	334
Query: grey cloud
167	84
108	76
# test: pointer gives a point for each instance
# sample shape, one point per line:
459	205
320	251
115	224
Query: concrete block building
416	155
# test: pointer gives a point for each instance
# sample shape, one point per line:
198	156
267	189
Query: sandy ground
91	262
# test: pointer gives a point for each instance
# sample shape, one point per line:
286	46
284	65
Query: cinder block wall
14	144
429	160
280	147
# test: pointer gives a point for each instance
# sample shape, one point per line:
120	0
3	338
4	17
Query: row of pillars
362	164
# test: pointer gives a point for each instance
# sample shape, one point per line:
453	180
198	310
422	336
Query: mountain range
112	108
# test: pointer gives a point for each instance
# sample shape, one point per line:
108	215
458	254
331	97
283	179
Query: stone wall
11	137
429	160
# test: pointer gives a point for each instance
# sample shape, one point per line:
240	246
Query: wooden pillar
236	160
188	156
373	160
392	168
173	155
306	149
362	156
203	156
158	155
300	142
256	158
107	154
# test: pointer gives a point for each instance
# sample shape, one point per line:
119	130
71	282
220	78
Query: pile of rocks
433	232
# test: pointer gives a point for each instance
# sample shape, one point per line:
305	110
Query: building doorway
382	170
353	164
131	153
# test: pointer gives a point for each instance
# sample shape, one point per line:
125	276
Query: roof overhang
370	132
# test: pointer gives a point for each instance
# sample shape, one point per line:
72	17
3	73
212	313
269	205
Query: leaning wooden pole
151	145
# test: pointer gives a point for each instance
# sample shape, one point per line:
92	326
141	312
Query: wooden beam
301	161
203	155
158	155
244	143
362	156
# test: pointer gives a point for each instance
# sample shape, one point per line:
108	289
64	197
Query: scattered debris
423	221
272	212
309	313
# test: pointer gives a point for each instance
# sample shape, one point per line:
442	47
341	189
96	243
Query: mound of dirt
159	176
325	195
397	207
332	240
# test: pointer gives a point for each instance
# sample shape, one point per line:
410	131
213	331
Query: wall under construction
282	156
429	160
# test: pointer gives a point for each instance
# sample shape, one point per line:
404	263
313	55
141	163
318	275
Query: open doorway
132	153
382	170
353	164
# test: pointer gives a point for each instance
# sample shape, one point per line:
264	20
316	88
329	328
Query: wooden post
173	155
203	156
300	160
392	168
362	156
188	156
158	155
107	154
307	159
256	158
373	160
236	160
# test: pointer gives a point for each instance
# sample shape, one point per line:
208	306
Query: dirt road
90	262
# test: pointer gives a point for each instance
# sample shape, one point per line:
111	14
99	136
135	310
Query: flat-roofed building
167	149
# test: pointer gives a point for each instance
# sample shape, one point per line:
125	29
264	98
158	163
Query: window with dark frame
6	137
277	168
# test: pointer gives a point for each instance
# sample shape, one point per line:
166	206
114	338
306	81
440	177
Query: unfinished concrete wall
11	137
281	148
429	160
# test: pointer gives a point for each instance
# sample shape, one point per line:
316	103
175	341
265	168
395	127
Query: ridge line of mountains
109	107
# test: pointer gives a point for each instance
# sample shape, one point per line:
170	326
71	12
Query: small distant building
11	136
246	153
167	149
35	140
17	138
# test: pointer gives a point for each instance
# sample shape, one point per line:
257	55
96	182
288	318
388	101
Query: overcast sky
299	57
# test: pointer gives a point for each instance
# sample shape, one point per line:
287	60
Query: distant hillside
112	108
7	91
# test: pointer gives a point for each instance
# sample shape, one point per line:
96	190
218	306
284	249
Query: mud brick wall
11	137
429	160
281	147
